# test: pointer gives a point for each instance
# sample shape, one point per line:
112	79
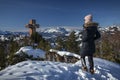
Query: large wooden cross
32	26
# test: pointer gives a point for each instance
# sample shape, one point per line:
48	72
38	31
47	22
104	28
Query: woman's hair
88	18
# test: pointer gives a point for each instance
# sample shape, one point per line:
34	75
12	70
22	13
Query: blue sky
14	14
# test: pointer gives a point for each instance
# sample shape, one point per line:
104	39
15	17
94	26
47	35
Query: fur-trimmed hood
90	24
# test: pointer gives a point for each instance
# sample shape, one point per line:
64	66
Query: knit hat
88	18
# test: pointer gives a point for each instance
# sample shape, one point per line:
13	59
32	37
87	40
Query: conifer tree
44	44
61	44
40	41
71	44
13	47
2	56
110	46
36	37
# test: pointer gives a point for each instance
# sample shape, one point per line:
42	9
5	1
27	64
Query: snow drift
46	70
32	52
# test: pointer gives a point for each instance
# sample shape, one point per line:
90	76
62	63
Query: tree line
108	47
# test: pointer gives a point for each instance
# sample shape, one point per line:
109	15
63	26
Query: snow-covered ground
46	70
65	53
29	50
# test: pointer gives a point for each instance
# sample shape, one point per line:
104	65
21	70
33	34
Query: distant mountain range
55	32
60	31
111	28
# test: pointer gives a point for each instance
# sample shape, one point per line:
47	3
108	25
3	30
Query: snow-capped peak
111	28
55	30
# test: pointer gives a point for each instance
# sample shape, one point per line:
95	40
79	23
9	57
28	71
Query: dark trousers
90	60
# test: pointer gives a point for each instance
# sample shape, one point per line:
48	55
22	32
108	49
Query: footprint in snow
24	71
34	63
35	68
10	73
19	66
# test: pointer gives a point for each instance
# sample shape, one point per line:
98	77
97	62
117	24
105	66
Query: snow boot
92	71
84	68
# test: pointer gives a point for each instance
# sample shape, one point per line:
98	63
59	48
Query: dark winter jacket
89	35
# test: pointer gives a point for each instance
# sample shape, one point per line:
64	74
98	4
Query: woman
89	35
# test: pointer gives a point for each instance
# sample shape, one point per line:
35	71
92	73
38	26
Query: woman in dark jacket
89	35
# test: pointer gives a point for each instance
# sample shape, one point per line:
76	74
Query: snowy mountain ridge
61	30
111	28
52	33
55	30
